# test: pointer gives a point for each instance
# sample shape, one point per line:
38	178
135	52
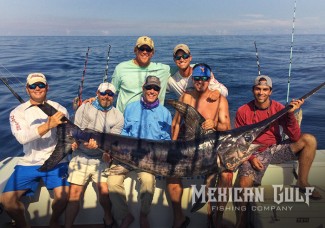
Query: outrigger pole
292	34
106	68
294	171
257	61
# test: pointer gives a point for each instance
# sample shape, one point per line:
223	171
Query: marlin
204	154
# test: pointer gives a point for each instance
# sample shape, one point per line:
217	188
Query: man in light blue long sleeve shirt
142	119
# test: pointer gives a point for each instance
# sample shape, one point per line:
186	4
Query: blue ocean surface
232	58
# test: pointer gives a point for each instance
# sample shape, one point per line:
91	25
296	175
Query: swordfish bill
204	154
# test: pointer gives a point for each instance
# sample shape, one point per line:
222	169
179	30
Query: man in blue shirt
145	119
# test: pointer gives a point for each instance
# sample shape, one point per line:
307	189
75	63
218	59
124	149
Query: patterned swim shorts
275	154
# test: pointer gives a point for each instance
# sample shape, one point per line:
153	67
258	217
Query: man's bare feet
315	194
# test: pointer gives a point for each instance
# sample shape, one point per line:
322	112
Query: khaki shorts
80	173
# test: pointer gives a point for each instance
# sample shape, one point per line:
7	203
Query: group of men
141	86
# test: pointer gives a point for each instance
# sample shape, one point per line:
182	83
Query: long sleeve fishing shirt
147	123
87	116
24	122
249	114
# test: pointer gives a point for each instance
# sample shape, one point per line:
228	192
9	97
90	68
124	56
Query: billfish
204	154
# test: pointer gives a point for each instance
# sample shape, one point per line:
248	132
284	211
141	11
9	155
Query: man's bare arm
185	98
223	117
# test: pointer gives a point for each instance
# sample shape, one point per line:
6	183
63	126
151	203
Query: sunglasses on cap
107	92
184	56
143	48
203	78
39	85
154	87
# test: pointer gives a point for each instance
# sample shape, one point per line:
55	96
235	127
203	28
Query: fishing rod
292	35
5	81
47	108
78	100
106	68
257	61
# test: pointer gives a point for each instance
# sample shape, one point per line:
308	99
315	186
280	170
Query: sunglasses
108	92
154	87
198	78
40	85
184	56
143	48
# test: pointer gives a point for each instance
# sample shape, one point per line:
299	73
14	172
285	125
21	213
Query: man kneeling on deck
301	147
37	132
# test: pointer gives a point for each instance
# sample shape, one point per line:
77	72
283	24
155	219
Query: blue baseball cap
201	70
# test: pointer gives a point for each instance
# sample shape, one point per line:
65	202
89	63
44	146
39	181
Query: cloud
254	15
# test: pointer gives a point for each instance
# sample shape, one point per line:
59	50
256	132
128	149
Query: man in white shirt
181	80
37	133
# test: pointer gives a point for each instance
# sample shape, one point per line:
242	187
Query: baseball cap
145	40
106	86
152	80
263	80
182	47
201	70
35	77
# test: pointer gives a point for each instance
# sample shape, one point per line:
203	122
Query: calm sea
232	59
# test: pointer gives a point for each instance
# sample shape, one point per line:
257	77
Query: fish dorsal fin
191	117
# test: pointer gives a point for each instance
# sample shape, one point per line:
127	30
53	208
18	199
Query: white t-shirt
179	84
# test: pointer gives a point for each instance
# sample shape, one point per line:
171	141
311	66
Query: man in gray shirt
87	162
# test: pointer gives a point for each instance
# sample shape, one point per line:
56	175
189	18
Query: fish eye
248	137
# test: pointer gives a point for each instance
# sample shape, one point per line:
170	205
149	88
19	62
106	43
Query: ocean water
232	58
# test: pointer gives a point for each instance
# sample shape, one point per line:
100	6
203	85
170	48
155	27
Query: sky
163	17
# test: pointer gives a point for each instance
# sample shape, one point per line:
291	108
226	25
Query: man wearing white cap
37	133
300	146
129	76
87	162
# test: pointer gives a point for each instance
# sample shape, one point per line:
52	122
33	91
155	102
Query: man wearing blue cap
217	117
181	76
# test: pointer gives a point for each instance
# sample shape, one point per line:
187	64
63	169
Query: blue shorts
28	178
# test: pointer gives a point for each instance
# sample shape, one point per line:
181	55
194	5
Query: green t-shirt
128	79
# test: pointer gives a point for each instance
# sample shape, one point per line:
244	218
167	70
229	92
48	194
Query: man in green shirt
129	76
